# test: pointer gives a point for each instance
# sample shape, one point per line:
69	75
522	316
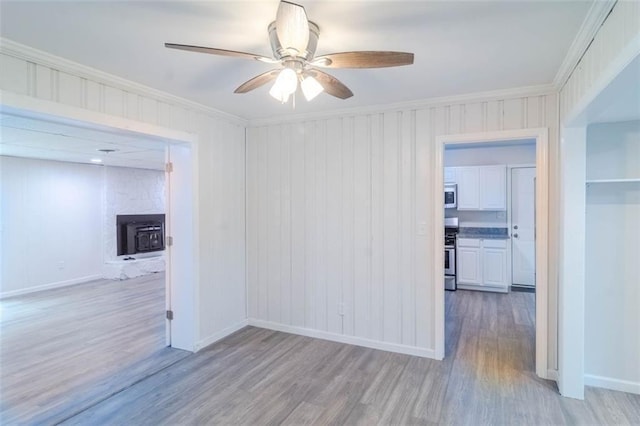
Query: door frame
181	282
541	136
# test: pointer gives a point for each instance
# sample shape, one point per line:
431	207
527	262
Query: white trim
217	336
552	375
341	338
21	51
50	286
576	116
15	103
518	92
542	230
613	384
596	15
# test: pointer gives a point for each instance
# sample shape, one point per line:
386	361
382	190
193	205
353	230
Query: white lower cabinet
482	264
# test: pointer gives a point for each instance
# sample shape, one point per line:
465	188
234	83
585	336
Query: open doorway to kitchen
483	262
96	322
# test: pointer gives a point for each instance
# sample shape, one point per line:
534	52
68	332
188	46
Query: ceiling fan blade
364	59
257	81
292	27
331	85
222	52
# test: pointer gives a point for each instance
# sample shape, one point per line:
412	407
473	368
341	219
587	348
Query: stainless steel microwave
450	196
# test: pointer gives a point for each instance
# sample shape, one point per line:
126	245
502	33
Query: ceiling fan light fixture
286	84
311	88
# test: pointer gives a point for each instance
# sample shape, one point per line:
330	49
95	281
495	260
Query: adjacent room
267	212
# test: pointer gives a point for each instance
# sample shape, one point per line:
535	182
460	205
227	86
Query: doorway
176	289
541	219
181	204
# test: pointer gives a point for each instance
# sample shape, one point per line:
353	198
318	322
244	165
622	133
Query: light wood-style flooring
66	349
260	376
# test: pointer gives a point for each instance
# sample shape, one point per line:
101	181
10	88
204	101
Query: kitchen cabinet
468	268
482	264
450	175
482	188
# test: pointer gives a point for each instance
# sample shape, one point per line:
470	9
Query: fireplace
140	233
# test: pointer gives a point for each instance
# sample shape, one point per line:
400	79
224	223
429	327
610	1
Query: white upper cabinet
468	188
450	175
493	188
482	188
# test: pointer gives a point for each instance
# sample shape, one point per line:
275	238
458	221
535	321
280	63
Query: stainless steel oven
450	232
450	260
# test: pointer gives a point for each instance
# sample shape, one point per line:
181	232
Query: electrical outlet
422	228
61	264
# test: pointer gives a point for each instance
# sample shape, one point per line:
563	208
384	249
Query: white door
523	254
180	254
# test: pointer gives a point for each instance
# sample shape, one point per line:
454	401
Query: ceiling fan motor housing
281	53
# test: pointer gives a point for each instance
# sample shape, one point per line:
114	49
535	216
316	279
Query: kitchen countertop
484	233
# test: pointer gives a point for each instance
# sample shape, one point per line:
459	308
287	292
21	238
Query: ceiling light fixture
311	88
96	160
286	85
294	40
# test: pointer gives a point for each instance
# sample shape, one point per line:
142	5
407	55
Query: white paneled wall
617	40
220	164
51	224
333	210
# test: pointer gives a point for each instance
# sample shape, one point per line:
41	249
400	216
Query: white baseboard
552	375
49	286
613	384
220	335
351	340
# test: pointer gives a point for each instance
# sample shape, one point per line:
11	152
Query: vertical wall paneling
615	44
70	89
311	234
253	235
263	219
391	229
14	75
348	225
473	117
360	304
333	270
377	229
407	179
298	224
285	228
274	222
423	260
43	83
356	218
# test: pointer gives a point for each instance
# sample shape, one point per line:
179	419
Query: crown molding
21	51
596	15
486	96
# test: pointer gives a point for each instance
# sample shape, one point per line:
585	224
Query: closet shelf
630	180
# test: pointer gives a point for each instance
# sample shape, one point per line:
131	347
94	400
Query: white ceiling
460	47
36	138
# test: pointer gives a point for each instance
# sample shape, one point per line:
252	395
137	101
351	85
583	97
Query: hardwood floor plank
258	376
66	349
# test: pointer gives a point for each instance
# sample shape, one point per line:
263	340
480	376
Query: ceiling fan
294	40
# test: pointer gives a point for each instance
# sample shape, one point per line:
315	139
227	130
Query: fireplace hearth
140	233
